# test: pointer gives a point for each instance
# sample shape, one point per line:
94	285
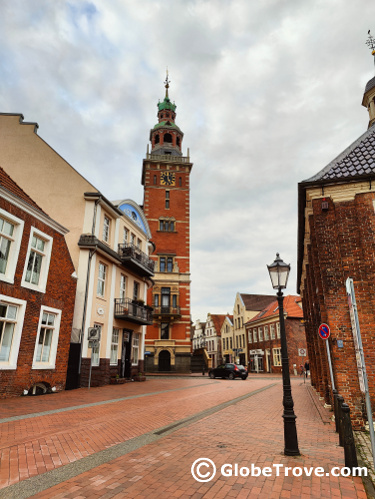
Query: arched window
168	137
157	139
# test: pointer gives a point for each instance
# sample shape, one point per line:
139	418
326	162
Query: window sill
4	278
7	367
33	287
43	366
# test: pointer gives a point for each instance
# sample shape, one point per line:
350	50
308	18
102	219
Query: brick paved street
139	440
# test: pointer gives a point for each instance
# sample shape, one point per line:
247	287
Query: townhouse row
251	336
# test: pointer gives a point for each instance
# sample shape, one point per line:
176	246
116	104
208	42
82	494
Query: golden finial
371	42
167	82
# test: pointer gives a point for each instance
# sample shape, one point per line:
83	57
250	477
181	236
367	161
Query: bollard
335	409
340	401
349	445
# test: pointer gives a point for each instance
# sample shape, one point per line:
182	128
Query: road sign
324	331
302	352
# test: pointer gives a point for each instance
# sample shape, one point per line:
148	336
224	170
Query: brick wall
342	245
60	294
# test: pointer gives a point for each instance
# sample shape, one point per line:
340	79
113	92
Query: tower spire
167	82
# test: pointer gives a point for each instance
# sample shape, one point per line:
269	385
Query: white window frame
11	364
272	327
278	330
276	353
101	280
126	235
260	333
266	333
255	333
135	349
15	245
114	346
46	260
250	337
106	228
123	287
51	364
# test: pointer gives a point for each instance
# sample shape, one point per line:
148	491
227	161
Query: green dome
166	124
166	104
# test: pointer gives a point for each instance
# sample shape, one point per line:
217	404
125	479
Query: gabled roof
256	302
355	161
218	320
10	185
290	305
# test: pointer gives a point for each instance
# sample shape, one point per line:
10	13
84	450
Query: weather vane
371	42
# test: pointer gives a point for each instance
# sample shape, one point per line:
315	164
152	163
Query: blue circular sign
324	331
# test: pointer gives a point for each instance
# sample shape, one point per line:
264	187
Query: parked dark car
229	371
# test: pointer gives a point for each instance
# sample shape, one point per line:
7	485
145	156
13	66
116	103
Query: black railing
133	310
129	251
167	310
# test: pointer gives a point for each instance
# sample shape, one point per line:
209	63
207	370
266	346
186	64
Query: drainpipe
91	254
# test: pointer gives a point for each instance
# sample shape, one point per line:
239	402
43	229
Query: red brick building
37	291
336	241
165	177
263	335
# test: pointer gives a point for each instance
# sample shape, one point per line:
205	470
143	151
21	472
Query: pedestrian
307	368
301	370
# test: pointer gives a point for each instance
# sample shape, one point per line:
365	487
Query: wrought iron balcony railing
136	259
167	311
133	311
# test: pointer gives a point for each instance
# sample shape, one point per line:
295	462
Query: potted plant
140	376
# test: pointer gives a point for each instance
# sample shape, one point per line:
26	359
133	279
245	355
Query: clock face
167	178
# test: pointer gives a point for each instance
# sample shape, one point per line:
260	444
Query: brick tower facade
166	204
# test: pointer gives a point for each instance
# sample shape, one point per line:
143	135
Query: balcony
168	157
133	311
167	311
136	260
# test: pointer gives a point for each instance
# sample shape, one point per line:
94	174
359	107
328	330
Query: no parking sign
324	331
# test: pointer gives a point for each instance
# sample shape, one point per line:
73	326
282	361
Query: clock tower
166	204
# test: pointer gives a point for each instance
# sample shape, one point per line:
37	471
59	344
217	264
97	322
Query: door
164	361
126	353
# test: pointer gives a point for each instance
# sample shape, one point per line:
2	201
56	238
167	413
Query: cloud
267	94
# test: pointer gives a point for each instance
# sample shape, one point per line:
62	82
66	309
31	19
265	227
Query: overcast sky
267	92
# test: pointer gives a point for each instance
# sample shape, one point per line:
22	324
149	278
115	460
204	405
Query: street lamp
279	273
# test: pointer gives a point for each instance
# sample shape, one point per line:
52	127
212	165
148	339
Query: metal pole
330	365
290	430
92	350
363	369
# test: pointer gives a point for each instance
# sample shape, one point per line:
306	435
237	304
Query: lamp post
279	273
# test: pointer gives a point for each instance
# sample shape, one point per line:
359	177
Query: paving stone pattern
249	431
